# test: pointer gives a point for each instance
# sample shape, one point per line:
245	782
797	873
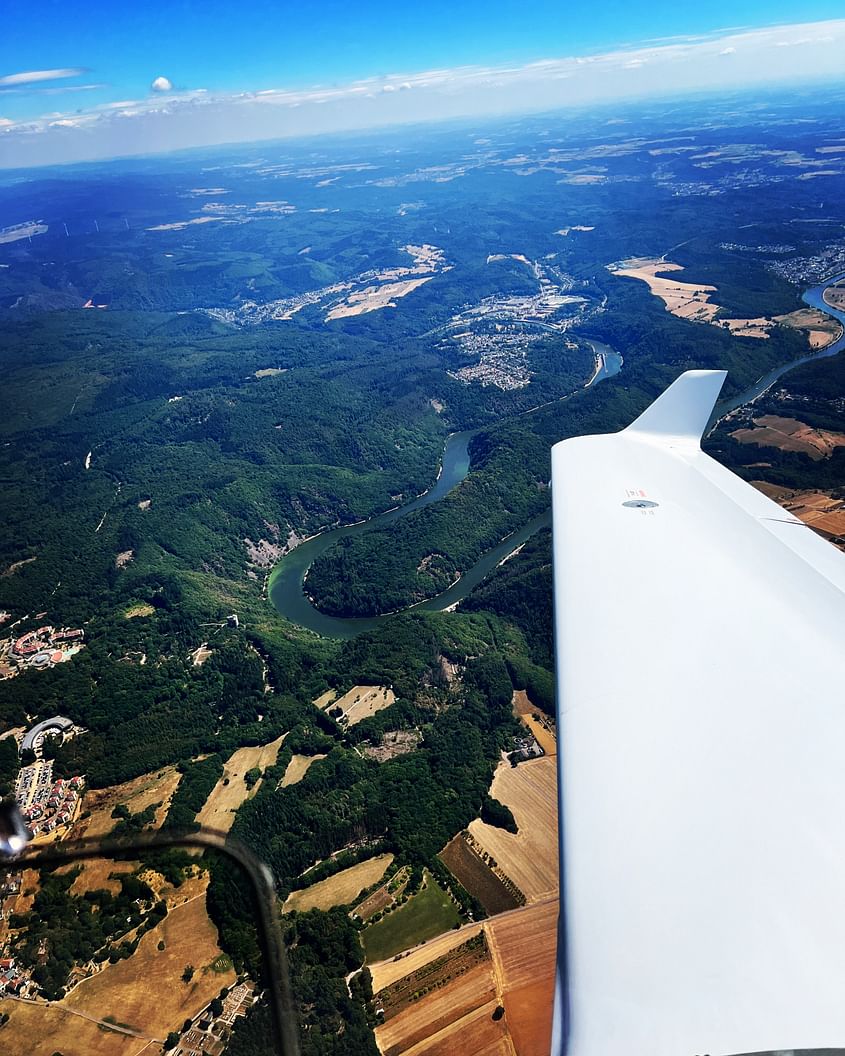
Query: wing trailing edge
699	632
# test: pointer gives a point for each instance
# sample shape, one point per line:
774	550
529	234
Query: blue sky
74	77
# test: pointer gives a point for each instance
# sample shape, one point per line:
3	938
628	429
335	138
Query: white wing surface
701	700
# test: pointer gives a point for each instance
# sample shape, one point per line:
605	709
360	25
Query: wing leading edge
699	632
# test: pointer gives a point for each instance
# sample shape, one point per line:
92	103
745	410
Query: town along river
286	587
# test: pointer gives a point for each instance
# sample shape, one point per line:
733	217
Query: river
286	585
814	299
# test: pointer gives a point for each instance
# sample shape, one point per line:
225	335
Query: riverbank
286	587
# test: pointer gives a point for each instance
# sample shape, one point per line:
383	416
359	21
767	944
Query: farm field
340	889
477	877
434	975
123	990
687	300
136	795
529	857
224	799
816	508
524	946
298	767
383	896
456	1016
363	701
385	973
428	913
789	434
96	875
438	1018
43	1030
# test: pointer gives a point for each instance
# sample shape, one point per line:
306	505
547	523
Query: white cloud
170	119
36	76
5	122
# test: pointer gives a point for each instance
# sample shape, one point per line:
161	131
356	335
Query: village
39	649
49	807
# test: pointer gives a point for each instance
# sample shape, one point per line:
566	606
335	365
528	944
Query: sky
106	79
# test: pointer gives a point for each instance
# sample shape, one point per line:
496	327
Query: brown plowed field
529	857
815	508
385	895
476	1034
477	877
457	1018
789	434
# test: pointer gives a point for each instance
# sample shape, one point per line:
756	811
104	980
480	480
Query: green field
429	913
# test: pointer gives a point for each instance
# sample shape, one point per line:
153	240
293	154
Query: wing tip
683	410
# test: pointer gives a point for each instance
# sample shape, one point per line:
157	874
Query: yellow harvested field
97	875
835	296
542	729
137	794
146	992
223	801
323	701
441	1022
42	1030
341	889
386	972
815	508
363	701
298	767
529	857
789	434
141	609
457	1017
375	297
685	299
524	946
818	326
759	327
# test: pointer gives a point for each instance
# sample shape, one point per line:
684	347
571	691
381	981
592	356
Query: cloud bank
168	119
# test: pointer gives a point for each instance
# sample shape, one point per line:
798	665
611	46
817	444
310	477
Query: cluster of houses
12	982
209	1033
49	804
42	648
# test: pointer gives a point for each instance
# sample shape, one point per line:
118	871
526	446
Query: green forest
161	455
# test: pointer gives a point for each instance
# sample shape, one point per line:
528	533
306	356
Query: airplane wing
699	636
